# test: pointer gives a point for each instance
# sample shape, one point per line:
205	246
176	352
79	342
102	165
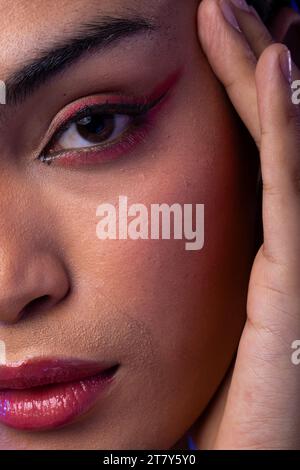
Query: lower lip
51	406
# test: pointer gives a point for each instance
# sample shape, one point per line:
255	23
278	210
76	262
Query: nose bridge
17	236
17	281
15	196
22	211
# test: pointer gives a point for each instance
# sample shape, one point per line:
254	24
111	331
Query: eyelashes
99	132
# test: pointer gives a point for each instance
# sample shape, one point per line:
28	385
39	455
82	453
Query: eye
98	131
92	130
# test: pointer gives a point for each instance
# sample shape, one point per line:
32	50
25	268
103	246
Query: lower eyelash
137	133
102	153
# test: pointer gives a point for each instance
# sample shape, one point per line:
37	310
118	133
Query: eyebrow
89	37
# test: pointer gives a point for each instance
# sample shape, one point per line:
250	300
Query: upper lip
38	372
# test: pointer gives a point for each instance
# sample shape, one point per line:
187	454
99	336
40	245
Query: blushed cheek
190	303
159	281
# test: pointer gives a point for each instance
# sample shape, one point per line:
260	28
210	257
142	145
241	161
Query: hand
262	407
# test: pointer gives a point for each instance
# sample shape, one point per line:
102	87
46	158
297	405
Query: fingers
256	33
247	62
280	155
232	61
233	38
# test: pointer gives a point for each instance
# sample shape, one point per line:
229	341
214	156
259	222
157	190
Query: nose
30	281
33	273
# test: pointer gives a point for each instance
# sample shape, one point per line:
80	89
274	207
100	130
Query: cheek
191	303
158	281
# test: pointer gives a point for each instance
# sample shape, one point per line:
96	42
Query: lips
46	394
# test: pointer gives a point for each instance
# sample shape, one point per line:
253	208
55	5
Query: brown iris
96	128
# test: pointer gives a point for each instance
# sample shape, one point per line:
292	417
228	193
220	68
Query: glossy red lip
46	394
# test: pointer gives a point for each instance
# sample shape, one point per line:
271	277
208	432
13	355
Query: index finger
232	39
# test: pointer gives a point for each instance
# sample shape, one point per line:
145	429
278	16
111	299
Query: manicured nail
229	15
241	4
286	65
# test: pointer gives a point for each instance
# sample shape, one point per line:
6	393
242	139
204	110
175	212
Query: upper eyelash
137	110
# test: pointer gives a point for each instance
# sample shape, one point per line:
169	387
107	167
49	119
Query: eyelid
75	111
106	108
160	92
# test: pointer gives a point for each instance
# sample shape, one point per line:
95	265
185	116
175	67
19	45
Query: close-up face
115	98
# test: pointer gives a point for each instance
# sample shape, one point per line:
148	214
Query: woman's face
170	317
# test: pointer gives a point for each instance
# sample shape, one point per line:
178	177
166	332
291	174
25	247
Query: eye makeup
139	115
140	112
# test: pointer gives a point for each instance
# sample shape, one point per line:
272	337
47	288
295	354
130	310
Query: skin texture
134	302
257	406
171	318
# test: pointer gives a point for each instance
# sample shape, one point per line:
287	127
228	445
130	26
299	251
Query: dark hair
267	8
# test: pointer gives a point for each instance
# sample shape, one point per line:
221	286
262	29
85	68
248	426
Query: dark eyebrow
89	37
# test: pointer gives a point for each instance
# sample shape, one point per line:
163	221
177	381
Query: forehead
35	15
28	26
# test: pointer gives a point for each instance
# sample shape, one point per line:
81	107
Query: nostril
35	305
36	285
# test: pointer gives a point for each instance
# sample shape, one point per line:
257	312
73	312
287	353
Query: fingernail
241	4
229	15
286	65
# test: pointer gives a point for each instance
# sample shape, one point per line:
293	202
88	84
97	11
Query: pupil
96	128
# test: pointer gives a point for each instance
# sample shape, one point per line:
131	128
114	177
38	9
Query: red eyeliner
160	90
112	150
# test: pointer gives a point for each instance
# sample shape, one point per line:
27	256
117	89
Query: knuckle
270	189
290	185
